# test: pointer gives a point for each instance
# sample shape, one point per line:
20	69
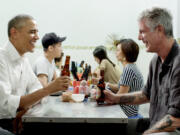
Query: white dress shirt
16	79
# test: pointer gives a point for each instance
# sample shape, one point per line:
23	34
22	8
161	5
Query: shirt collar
12	52
173	52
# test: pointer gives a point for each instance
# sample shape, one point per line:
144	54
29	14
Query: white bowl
78	97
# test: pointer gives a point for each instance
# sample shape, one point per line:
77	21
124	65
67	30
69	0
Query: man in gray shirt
44	67
162	89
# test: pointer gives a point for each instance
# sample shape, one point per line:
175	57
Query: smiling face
24	38
151	38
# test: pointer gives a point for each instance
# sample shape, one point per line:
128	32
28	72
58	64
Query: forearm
133	98
54	75
43	80
167	124
61	83
43	83
28	100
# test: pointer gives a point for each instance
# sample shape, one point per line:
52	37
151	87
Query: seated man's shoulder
177	60
3	54
40	60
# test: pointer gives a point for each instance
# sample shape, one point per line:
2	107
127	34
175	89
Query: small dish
78	97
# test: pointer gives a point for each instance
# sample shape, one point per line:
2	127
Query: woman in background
111	71
131	79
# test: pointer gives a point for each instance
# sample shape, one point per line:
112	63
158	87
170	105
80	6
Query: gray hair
158	16
18	22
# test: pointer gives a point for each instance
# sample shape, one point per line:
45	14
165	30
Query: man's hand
167	124
110	97
17	122
60	84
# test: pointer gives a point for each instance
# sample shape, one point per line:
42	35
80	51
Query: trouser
6	124
5	132
167	133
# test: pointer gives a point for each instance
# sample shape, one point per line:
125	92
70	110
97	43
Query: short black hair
50	39
18	22
130	49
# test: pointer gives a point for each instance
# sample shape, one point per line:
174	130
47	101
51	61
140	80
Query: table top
53	110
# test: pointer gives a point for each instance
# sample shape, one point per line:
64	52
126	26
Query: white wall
178	19
84	22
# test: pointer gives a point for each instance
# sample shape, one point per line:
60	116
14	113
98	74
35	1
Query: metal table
53	110
86	114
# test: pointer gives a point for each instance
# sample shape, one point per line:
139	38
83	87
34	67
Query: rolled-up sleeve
174	112
147	88
174	103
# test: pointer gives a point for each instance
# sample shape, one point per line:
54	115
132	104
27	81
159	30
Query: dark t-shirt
163	86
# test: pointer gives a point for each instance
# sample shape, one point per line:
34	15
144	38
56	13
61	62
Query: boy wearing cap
44	66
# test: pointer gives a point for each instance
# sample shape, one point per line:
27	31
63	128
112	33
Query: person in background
131	79
19	87
58	61
162	89
82	64
44	67
111	71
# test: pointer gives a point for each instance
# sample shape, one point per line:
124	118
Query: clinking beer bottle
101	86
65	71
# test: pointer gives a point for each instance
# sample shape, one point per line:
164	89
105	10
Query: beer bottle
74	71
65	71
101	85
89	76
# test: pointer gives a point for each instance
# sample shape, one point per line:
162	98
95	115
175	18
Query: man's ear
50	48
13	32
160	28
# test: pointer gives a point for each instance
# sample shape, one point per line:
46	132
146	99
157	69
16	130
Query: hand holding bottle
60	84
110	97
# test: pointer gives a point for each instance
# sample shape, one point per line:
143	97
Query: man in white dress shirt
19	87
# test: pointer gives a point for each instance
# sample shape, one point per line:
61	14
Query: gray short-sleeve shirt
43	66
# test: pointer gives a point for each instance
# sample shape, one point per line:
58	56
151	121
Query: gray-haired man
162	89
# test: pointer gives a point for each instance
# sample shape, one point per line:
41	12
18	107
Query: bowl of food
78	97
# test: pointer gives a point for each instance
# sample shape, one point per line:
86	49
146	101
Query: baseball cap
50	39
